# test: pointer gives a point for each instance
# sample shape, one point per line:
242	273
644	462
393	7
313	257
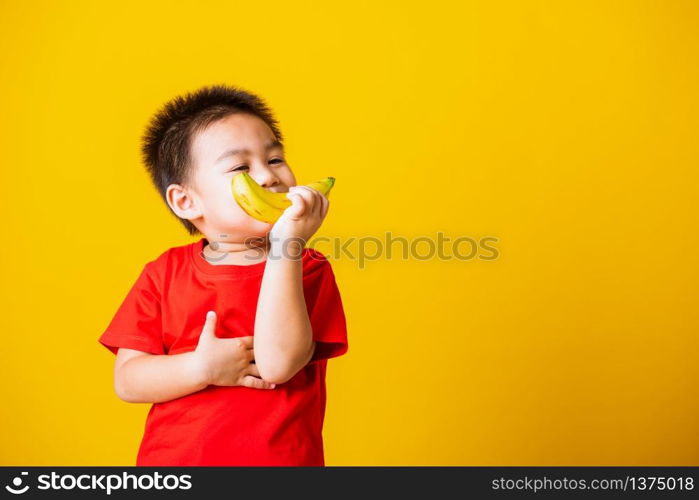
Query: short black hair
168	137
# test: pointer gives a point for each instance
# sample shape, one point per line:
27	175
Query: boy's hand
227	362
302	219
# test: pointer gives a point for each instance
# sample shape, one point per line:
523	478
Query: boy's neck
240	254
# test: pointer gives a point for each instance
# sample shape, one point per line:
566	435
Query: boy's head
196	143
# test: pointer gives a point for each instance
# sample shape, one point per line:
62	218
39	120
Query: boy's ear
181	202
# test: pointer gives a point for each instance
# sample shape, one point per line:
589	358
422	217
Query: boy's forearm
283	340
159	378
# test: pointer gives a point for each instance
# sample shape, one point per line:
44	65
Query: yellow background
568	130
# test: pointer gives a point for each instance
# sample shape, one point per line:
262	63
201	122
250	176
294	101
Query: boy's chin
260	228
252	228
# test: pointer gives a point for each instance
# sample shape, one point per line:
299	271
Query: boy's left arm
283	340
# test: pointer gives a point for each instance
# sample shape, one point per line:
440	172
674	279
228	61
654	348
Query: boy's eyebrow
233	152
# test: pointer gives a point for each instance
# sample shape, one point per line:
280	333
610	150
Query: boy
229	336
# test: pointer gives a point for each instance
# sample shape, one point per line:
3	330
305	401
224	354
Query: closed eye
241	167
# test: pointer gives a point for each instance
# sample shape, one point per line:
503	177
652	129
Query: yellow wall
568	130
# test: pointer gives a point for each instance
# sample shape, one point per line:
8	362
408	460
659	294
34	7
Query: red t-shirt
164	313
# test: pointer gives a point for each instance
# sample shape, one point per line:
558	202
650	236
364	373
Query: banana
264	205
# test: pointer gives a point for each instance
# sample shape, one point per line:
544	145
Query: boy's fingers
319	204
298	205
326	205
309	195
247	341
256	383
210	324
239	345
252	368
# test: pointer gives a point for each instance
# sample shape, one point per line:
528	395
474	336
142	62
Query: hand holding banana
302	219
296	214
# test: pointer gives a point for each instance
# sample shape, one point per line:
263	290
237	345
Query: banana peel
265	205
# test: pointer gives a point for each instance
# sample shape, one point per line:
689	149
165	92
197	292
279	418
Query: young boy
229	336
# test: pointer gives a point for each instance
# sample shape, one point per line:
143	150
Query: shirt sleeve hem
129	341
327	350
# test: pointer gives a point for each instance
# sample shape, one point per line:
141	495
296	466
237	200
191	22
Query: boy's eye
240	167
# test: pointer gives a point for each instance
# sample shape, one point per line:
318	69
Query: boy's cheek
242	223
228	214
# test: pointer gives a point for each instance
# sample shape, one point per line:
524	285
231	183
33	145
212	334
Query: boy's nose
265	177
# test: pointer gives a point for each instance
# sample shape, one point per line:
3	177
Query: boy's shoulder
167	259
315	261
313	254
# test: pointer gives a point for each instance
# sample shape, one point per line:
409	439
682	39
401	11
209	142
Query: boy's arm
283	340
141	377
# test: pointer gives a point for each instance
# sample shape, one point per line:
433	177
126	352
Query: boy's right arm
142	377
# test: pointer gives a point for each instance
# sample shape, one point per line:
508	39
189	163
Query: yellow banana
265	205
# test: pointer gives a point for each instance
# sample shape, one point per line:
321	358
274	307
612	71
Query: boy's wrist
287	248
197	369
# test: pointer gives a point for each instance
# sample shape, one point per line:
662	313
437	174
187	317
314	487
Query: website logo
17	483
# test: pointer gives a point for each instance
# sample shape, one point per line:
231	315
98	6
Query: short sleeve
326	313
137	323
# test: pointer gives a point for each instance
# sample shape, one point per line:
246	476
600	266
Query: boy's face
240	142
